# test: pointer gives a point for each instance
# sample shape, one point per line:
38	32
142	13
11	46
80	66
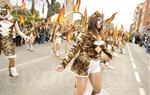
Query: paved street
130	76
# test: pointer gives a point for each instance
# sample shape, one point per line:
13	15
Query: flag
68	36
43	9
115	31
23	6
77	5
22	19
61	15
121	29
85	16
109	20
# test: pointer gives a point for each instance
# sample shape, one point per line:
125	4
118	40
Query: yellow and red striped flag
109	20
77	6
23	6
85	15
61	15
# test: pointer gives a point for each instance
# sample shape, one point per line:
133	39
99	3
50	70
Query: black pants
18	40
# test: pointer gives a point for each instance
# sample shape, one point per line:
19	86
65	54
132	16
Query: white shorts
94	66
109	47
58	40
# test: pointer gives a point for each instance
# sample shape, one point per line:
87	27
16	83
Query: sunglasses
100	21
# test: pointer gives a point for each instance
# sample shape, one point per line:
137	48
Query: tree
32	7
53	8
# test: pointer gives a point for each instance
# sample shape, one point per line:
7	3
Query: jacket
86	49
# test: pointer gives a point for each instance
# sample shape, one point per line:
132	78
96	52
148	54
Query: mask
99	23
4	12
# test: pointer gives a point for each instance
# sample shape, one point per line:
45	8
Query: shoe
101	93
57	53
123	51
90	92
13	72
31	49
28	48
120	51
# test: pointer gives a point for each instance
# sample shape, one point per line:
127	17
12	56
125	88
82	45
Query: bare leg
54	48
11	62
95	79
28	46
57	49
80	85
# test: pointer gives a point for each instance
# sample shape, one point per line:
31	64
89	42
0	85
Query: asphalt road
38	75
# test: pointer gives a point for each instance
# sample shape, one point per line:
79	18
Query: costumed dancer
110	40
31	33
6	36
92	51
57	40
110	47
121	41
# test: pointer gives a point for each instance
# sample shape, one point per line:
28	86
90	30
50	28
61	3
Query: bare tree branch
48	3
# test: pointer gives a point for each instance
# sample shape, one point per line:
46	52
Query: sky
125	9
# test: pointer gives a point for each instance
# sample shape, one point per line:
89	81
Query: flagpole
16	6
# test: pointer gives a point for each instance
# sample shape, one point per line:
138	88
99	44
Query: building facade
137	18
145	19
141	20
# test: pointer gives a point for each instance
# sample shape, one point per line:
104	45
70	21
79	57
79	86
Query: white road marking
131	58
142	91
29	62
137	76
32	61
133	65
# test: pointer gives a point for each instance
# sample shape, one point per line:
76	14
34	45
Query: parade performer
51	38
56	38
110	46
6	36
110	40
32	35
91	52
121	40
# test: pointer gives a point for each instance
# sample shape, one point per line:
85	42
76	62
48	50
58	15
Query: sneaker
120	51
13	72
123	51
57	53
101	93
28	48
90	92
31	49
